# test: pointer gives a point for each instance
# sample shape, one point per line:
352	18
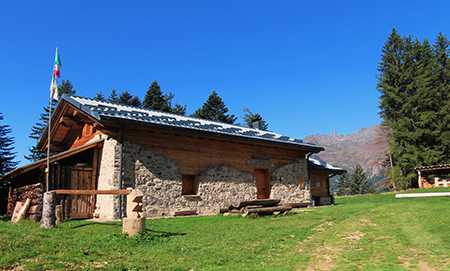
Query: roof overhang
54	158
435	169
67	123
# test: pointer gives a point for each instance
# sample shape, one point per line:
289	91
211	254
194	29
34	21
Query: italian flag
54	89
57	64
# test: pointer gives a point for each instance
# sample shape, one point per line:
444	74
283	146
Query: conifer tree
250	118
113	98
126	98
7	162
343	185
155	100
411	104
214	109
442	85
100	97
359	184
7	156
37	130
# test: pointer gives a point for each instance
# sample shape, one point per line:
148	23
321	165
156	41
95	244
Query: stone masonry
218	187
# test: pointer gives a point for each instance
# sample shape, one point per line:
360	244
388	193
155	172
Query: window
189	185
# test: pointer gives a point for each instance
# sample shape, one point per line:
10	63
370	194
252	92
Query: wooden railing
92	192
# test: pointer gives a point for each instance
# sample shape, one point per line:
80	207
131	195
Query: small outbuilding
439	173
178	162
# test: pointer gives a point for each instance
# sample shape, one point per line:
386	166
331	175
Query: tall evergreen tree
113	98
7	162
7	154
343	185
65	87
359	184
250	118
100	97
155	100
126	98
442	85
412	104
214	109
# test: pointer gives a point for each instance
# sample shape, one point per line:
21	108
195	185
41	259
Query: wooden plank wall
194	153
323	189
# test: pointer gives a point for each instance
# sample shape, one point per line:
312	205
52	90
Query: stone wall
218	187
107	206
285	182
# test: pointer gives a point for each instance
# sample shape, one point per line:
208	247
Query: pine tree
250	118
410	104
126	98
113	98
7	156
38	129
359	184
442	85
155	100
7	163
100	97
343	185
214	109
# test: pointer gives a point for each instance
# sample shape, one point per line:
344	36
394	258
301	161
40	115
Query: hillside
365	147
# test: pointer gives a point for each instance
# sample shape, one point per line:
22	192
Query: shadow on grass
114	224
165	233
4	218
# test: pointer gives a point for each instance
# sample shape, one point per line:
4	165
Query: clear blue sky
308	67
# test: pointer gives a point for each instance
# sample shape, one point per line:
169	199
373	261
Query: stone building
178	162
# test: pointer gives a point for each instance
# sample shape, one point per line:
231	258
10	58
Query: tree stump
48	210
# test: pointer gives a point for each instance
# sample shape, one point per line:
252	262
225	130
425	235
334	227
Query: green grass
376	232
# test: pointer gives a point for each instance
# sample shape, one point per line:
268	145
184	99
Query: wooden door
81	206
262	183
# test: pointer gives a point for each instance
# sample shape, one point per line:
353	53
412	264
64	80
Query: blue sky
308	67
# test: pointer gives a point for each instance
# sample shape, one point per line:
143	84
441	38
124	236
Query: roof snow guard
101	110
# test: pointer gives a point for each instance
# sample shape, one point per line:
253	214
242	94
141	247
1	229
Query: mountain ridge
366	147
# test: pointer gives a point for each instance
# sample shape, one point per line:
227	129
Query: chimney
256	125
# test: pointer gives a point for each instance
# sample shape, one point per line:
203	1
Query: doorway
262	183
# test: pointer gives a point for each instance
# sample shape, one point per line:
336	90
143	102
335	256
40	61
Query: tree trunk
265	211
48	210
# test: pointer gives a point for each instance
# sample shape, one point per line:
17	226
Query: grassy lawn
375	232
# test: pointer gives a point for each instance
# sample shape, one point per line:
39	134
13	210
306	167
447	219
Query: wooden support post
48	210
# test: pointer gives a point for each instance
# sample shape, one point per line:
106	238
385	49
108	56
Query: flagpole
52	88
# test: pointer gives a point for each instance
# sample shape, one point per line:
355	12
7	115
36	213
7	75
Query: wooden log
20	211
133	225
265	210
224	210
262	202
423	195
48	210
181	213
92	192
59	214
297	204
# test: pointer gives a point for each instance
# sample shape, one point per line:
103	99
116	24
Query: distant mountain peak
366	147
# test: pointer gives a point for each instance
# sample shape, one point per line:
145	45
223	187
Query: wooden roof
73	111
20	170
435	169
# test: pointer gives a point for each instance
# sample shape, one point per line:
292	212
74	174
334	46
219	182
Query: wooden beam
93	192
423	195
72	123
